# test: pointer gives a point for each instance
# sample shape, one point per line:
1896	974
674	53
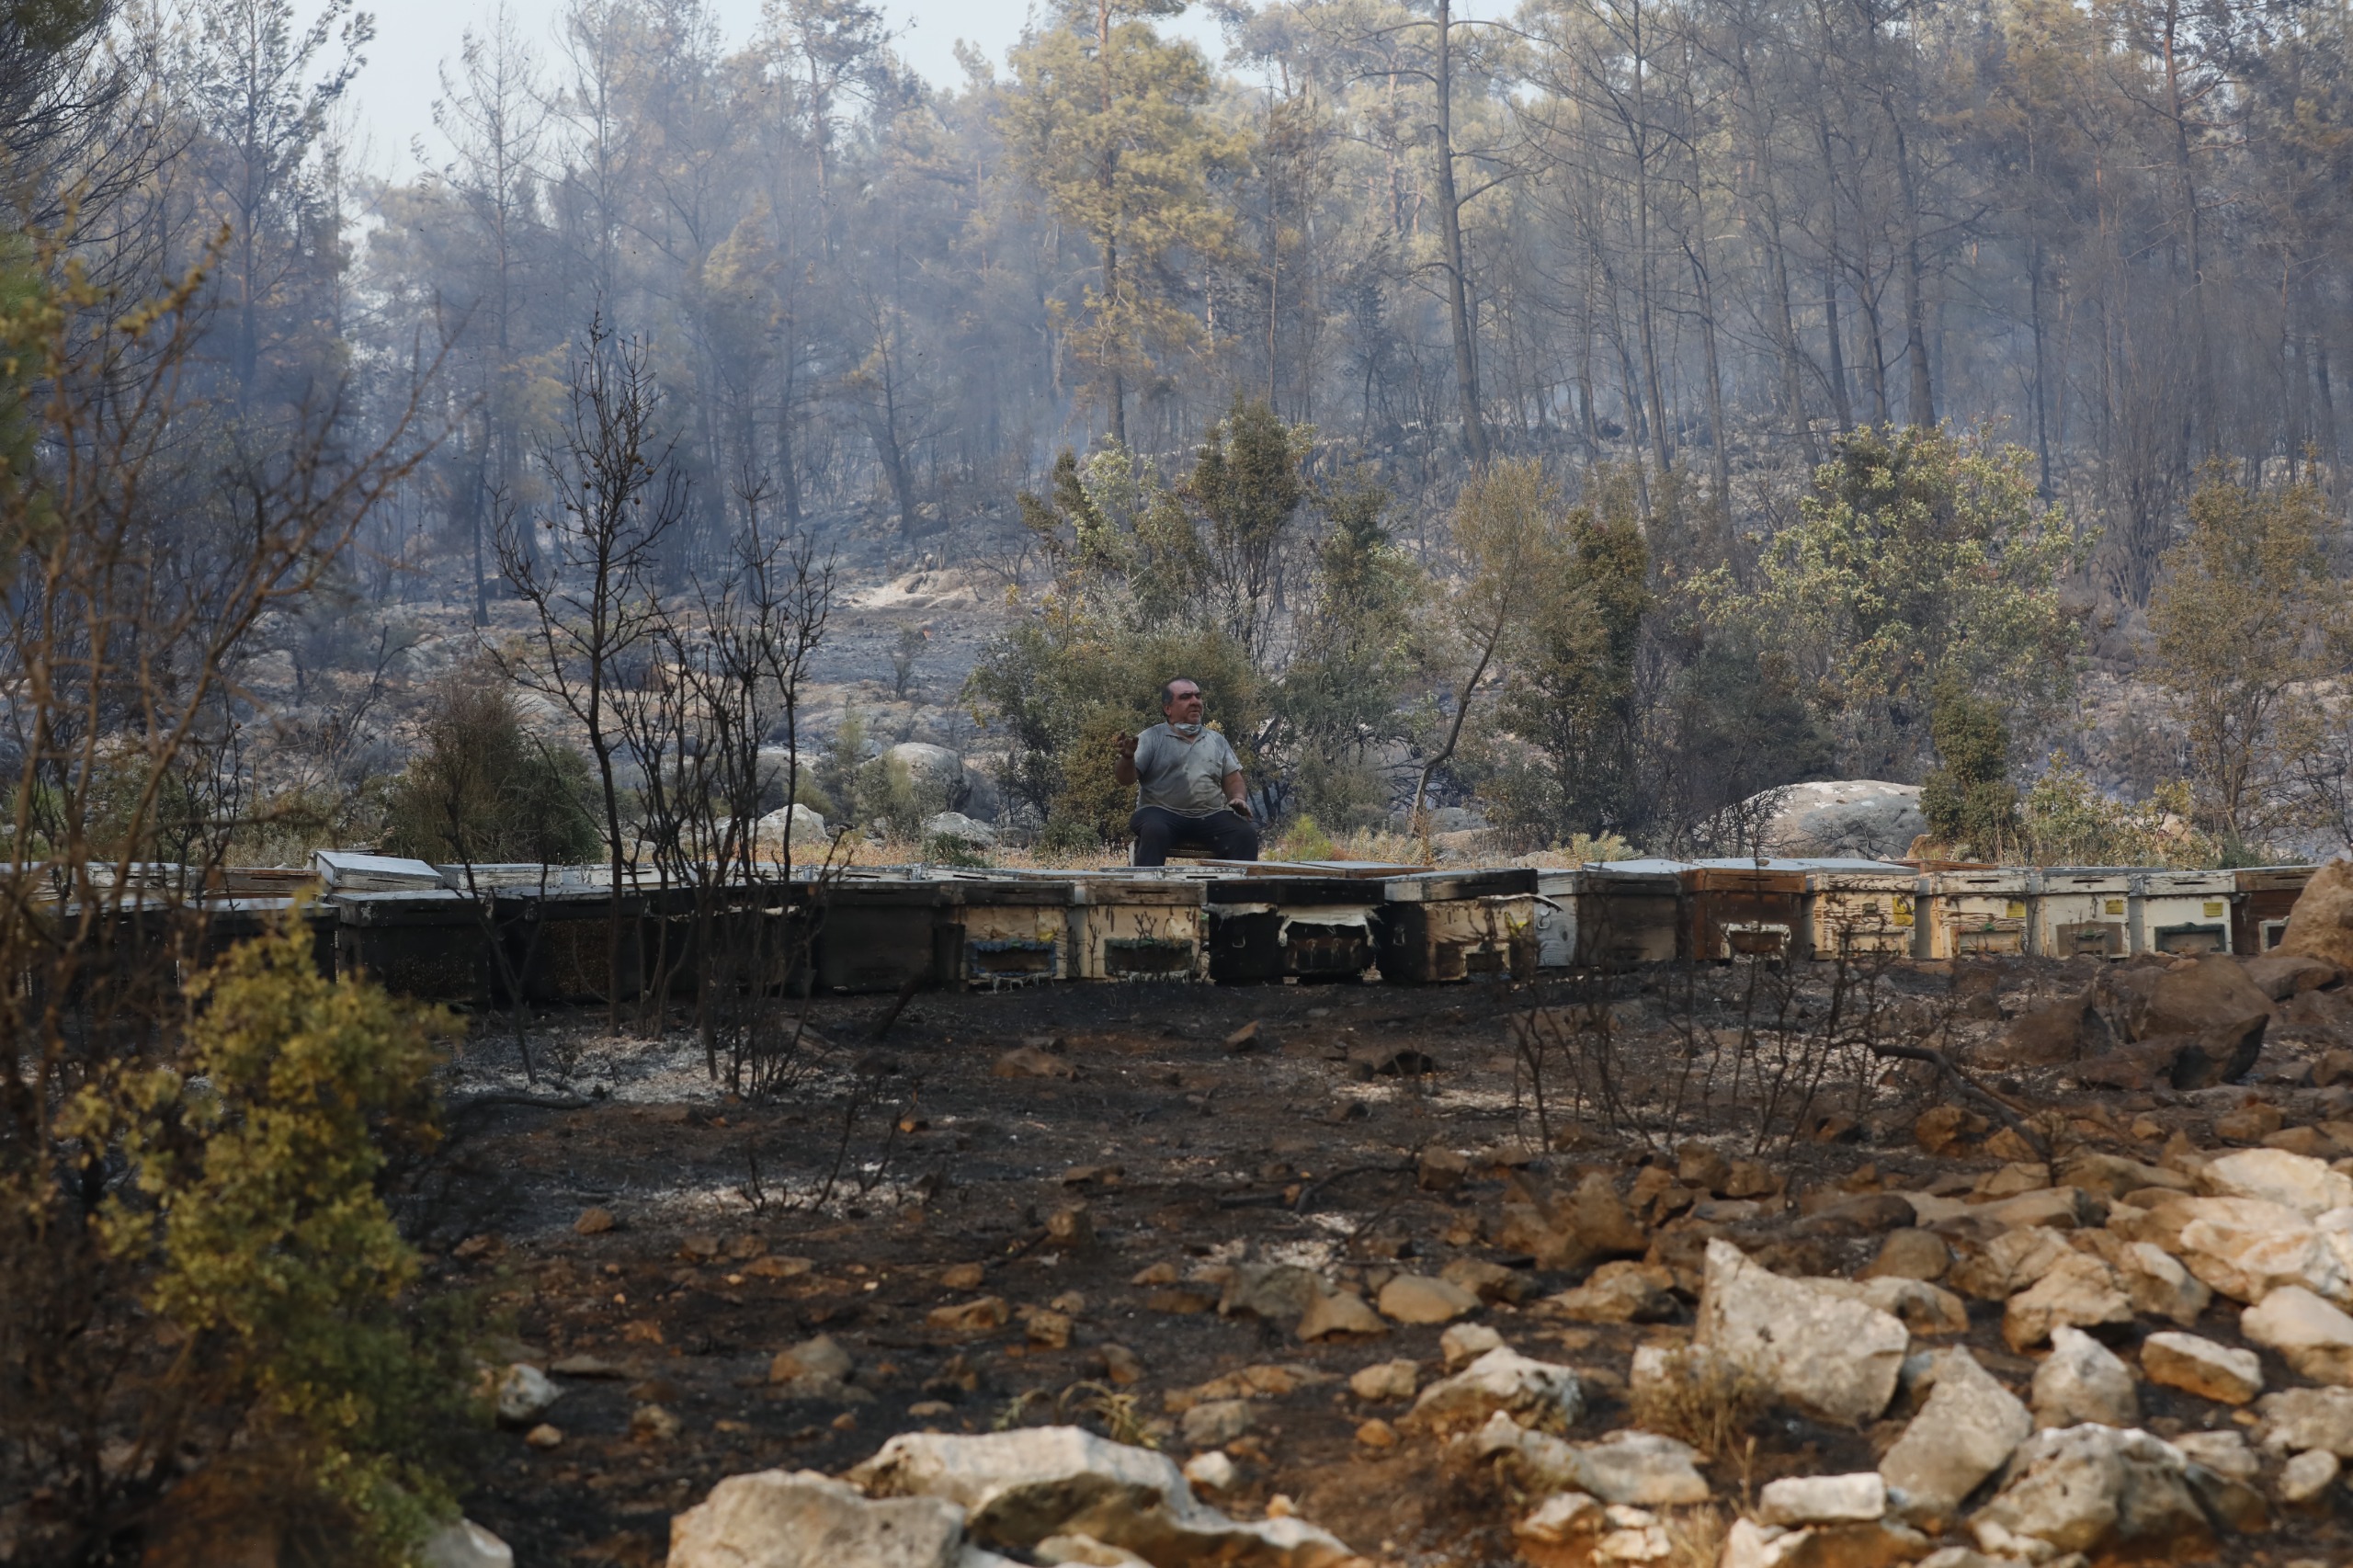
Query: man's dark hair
1168	688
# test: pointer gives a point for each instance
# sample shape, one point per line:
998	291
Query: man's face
1184	704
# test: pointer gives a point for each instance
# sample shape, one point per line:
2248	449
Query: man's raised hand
1126	748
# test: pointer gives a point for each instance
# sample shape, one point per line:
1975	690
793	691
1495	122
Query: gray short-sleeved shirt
1185	777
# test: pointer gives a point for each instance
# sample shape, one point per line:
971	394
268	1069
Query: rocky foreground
1283	1277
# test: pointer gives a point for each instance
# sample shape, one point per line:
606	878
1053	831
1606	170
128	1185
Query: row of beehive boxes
1650	911
928	930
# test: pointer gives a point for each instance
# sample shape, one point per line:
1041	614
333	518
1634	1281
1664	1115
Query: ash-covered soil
1054	1205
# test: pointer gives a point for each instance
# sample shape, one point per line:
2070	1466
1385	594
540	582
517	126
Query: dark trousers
1225	834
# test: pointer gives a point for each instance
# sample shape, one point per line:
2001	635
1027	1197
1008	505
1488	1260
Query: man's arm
1237	797
1124	769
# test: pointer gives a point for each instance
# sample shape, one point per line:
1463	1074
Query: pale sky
392	100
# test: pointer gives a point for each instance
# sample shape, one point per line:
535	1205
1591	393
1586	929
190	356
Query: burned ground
1057	1204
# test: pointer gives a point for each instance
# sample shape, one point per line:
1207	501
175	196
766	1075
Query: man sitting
1188	784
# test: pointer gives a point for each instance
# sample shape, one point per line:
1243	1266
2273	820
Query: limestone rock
1836	1358
465	1544
802	824
1214	1423
1212	1471
1569	1231
2158	1284
776	1519
2078	1290
2245	1247
1967	1429
2293	1181
1920	1306
1620	1292
2311	1334
958	826
1822	1499
2308	1475
2115	1176
1910	1254
1854	818
2320	926
1017	1488
1881	1543
1385	1381
1502	1380
1560	1518
1465	1342
1419	1298
2082	1381
1341	1312
2090	1486
524	1392
1641	1470
2280	975
1279	1293
2201	1367
969	1317
818	1360
1997	1269
2214	994
2294	1420
2224	1452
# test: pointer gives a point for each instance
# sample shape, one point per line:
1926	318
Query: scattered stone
1560	1518
2247	1247
2114	1176
1836	1359
1212	1471
1966	1430
2082	1381
1944	1128
2059	1207
2293	1181
1339	1313
1028	1062
1505	1381
1572	1231
2319	924
805	1520
1441	1170
2017	1176
2156	1283
581	1365
2000	1268
524	1391
1419	1298
2224	1452
1121	1365
1822	1499
2200	1366
771	1266
2307	1475
1071	1228
1641	1469
818	1360
1045	1328
649	1423
2078	1290
972	1317
1488	1281
2294	1420
1375	1432
545	1435
1920	1306
1910	1254
1619	1291
2093	1486
1279	1293
973	1275
594	1223
1019	1487
2280	975
1385	1381
1241	1039
1215	1423
1465	1342
2310	1334
465	1544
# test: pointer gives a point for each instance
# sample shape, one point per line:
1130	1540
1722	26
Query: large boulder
1017	1488
1836	1358
804	825
1856	818
2320	924
1966	1430
778	1519
2091	1486
937	773
2283	975
2294	1181
2211	995
2247	1247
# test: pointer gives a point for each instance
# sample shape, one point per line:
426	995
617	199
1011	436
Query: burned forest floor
1118	1207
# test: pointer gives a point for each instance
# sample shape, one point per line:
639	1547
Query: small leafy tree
1918	554
2247	611
481	789
1969	801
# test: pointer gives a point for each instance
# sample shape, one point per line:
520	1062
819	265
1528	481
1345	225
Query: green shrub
482	789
